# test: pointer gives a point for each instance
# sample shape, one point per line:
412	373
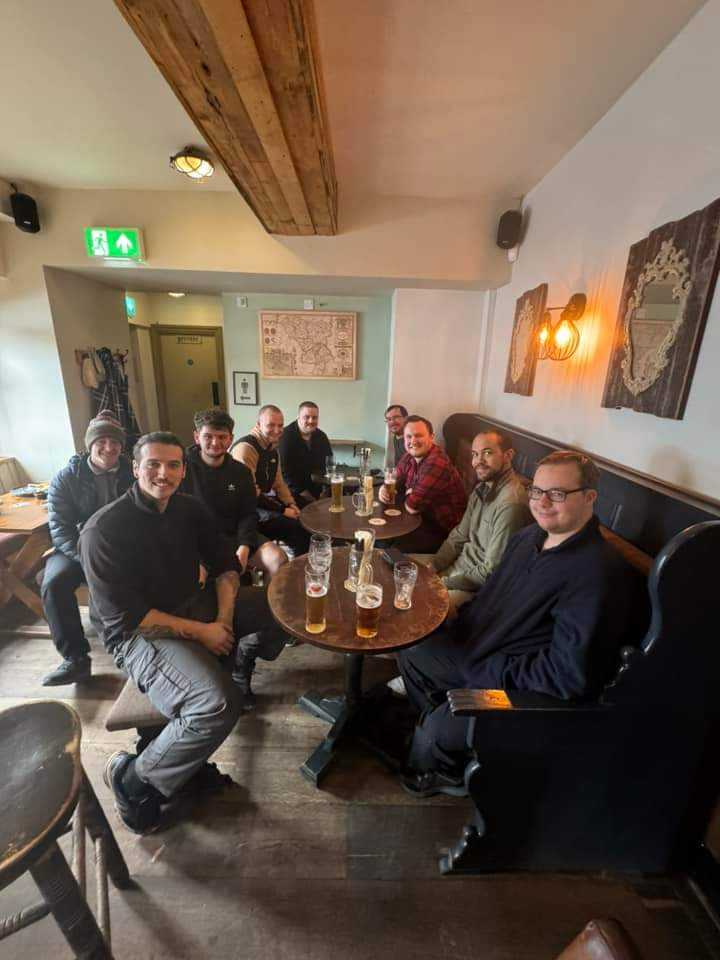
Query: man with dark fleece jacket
550	619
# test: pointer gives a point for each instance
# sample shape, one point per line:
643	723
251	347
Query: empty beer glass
329	466
354	560
368	600
320	552
405	573
316	588
360	504
390	482
336	489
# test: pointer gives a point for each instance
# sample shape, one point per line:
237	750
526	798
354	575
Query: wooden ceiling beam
246	71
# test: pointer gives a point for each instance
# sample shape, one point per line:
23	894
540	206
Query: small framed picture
245	388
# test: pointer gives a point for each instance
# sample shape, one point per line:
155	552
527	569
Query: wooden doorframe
161	328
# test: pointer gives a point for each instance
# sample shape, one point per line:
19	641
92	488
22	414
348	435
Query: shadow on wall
671	462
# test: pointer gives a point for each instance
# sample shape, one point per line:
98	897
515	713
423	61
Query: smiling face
271	425
159	471
489	459
395	421
561	519
418	439
308	420
213	443
105	453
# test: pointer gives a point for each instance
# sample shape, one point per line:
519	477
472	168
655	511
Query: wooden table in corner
398	629
316	518
24	522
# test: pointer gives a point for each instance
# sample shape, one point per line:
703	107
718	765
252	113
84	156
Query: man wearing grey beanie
88	482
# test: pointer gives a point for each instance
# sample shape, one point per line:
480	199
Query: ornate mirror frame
522	357
685	253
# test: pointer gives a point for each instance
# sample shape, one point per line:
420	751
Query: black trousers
61	579
291	531
429	670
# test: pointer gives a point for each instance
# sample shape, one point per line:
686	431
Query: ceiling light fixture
173	293
193	163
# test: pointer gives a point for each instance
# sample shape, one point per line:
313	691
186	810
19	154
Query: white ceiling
462	98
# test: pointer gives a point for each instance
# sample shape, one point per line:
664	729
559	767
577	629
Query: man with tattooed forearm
141	555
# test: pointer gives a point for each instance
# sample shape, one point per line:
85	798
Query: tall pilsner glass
316	588
336	491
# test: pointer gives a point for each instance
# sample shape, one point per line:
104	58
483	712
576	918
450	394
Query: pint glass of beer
390	481
336	489
316	588
368	600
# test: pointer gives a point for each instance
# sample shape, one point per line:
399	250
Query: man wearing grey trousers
141	556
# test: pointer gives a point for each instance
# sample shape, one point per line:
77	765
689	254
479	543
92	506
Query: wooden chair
625	783
601	940
42	784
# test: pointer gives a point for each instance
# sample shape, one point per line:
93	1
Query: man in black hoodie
88	482
550	619
227	488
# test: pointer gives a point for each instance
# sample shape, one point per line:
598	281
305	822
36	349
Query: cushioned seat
601	940
133	709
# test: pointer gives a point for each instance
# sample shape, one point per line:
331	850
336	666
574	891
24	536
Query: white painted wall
190	311
84	314
654	157
436	338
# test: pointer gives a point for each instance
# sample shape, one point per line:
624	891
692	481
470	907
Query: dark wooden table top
398	628
316	518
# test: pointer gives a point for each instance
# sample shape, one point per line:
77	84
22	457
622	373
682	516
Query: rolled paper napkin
367	539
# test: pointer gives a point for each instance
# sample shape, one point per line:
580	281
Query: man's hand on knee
216	637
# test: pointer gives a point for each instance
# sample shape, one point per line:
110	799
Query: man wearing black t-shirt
550	619
304	451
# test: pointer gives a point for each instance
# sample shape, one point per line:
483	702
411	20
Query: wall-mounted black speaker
25	212
509	225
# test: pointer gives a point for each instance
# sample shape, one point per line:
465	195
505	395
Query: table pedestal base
345	713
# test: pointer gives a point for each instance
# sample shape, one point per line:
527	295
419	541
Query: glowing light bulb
562	335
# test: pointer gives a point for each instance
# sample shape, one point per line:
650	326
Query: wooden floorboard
274	868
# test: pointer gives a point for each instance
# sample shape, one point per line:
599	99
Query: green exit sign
114	243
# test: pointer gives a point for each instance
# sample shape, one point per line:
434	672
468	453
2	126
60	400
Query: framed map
308	345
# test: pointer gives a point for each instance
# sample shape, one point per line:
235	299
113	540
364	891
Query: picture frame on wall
308	344
522	358
245	388
669	284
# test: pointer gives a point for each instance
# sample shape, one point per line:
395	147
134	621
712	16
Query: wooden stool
42	782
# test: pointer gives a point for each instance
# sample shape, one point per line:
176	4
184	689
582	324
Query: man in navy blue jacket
89	481
550	619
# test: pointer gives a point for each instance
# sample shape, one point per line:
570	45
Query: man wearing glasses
550	619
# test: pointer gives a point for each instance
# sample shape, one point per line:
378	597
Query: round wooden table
398	629
316	518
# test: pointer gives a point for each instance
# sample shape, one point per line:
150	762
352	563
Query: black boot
242	674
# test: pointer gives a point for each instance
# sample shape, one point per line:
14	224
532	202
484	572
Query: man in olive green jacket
497	508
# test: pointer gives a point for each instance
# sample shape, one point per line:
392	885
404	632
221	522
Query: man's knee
60	581
214	709
270	558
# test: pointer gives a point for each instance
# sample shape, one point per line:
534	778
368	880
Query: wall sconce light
193	163
561	341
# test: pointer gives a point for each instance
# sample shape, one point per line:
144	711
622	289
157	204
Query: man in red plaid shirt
432	487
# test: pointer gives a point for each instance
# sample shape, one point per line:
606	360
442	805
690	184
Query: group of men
162	544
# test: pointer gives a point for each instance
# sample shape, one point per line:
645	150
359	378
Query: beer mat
393	513
377	522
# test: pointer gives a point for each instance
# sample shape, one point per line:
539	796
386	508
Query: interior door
190	375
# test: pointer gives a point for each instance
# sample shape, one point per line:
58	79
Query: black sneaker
429	784
140	814
70	671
